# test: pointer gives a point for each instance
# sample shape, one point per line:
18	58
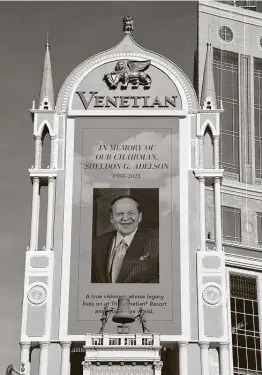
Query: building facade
235	35
129	123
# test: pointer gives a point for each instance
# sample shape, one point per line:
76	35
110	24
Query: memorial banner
125	222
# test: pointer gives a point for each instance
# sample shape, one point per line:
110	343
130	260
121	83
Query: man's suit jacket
140	264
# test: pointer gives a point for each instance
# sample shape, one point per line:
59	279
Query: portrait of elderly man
127	254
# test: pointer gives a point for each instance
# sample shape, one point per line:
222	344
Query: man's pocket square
144	257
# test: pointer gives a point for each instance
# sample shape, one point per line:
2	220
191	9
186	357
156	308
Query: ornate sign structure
126	188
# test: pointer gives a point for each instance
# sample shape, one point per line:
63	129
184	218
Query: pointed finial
208	94
128	24
47	39
46	99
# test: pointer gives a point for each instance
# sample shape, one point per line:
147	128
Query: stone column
43	365
38	152
216	151
50	213
38	215
52	152
183	351
25	354
201	152
218	231
65	363
202	208
224	358
204	357
35	214
86	367
158	367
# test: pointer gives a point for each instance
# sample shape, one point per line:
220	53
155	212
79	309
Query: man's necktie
120	253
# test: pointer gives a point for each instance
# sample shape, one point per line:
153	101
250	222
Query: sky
77	30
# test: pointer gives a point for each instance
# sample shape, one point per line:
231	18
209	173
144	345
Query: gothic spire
208	94
46	98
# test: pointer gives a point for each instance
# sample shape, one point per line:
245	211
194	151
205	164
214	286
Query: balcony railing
123	340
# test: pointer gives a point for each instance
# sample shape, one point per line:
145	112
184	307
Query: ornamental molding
42	173
65	344
212	294
204	344
44	344
158	365
25	344
37	294
224	345
244	261
183	344
89	65
215	173
223	10
86	365
242	190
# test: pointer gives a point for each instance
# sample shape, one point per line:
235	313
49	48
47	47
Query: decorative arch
43	124
123	51
208	124
208	148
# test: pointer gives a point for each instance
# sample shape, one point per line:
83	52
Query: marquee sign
127	126
126	84
92	99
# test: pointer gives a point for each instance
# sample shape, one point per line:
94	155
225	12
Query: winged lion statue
129	71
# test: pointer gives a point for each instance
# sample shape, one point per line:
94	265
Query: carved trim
183	344
44	344
64	95
158	365
65	344
223	345
204	345
86	365
212	294
235	13
25	345
37	294
242	261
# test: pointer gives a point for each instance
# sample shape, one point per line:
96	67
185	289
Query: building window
231	224
258	115
259	42
225	33
226	82
259	229
245	325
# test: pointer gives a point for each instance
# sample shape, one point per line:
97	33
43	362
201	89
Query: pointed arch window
208	148
46	147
